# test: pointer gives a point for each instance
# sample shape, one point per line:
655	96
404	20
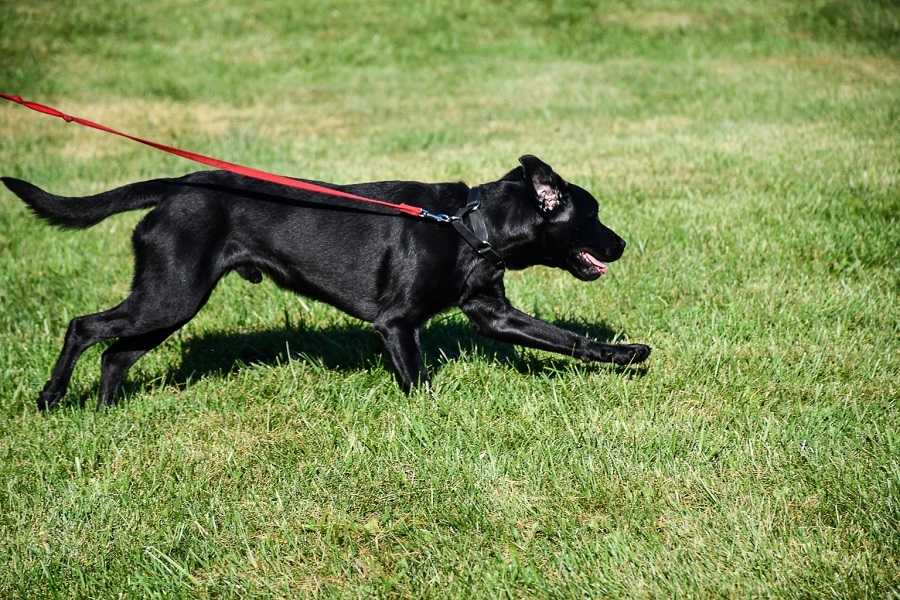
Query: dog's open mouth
589	266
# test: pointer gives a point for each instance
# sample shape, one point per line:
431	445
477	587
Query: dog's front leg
496	318
401	340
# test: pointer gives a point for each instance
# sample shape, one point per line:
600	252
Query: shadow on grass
352	347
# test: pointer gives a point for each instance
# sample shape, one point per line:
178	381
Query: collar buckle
475	231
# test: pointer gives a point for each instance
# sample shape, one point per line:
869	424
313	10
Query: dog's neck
510	221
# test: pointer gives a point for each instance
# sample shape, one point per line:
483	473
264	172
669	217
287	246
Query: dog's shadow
355	346
351	347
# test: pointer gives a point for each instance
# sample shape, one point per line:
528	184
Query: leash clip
438	217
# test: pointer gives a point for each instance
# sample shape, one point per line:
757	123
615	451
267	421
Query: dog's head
567	233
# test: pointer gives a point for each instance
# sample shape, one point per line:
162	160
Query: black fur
395	272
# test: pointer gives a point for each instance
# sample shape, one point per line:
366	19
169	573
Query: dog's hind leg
123	353
83	332
141	323
78	339
151	321
171	284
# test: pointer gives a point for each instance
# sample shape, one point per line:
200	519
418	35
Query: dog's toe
47	401
641	353
631	354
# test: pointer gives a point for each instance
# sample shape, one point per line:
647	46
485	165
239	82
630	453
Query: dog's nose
616	249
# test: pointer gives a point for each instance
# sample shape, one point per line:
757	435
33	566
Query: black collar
469	223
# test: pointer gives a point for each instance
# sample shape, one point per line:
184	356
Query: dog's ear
550	190
517	174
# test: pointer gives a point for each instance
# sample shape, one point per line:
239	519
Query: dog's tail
78	213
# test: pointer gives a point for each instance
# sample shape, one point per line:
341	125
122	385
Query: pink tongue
594	262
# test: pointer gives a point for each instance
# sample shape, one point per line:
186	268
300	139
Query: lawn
748	151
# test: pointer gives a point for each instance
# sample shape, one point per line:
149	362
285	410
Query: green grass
747	151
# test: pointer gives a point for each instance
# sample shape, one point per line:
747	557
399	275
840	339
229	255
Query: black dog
394	272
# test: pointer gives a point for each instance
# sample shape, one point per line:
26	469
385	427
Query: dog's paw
631	354
48	401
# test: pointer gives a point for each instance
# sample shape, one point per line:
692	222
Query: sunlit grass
747	152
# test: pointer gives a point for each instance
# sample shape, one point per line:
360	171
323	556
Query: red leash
407	209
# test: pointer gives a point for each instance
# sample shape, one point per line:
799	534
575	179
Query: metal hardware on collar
438	217
476	235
